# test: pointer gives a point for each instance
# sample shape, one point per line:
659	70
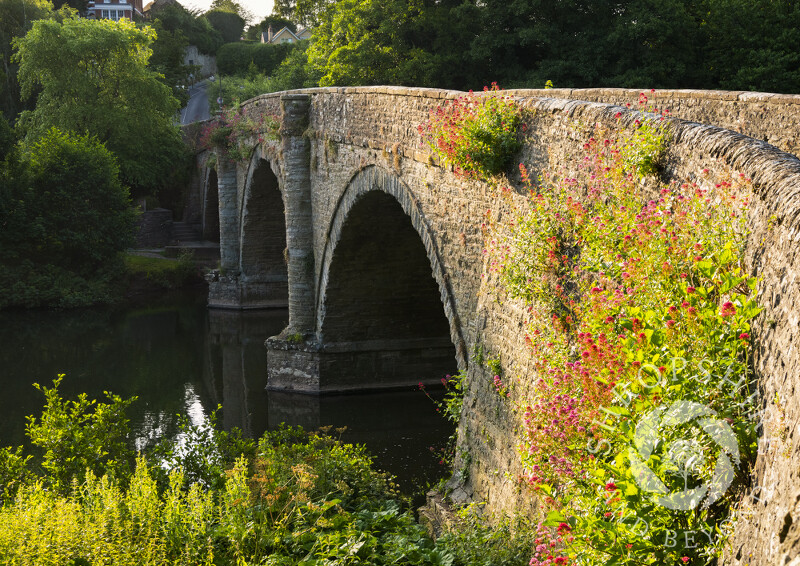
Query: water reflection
181	358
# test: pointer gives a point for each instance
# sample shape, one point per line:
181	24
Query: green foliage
639	314
644	153
197	29
16	19
237	133
164	272
167	60
92	78
295	71
202	452
304	12
66	219
361	42
236	58
753	44
14	472
474	541
76	436
476	134
228	24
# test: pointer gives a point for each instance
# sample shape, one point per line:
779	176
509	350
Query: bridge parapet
378	211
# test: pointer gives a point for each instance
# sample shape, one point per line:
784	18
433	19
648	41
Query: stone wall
356	140
772	118
207	63
154	228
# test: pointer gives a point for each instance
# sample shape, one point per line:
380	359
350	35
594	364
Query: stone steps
185	232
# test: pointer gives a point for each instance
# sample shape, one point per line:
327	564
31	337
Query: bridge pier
296	150
366	365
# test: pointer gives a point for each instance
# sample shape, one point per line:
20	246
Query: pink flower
744	336
690	290
728	309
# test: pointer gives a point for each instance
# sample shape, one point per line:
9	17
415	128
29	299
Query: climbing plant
234	131
638	424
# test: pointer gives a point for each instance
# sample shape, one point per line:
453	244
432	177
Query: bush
475	134
66	219
235	58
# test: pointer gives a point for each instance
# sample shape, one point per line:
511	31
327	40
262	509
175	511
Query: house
114	9
285	35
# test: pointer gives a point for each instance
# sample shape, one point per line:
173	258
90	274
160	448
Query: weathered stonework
367	208
154	228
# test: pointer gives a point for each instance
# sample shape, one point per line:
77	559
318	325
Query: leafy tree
295	71
237	58
231	6
81	6
363	42
753	44
656	44
16	19
304	12
93	79
229	24
196	28
167	60
65	218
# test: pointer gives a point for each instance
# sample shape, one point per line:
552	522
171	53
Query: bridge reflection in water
399	428
180	357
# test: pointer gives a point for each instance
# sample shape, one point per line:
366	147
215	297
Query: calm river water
181	357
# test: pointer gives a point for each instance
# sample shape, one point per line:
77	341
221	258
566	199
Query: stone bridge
376	249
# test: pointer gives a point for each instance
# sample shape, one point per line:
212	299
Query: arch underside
385	313
210	219
262	264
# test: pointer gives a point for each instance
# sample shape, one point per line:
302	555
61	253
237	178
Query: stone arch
373	191
262	230
209	215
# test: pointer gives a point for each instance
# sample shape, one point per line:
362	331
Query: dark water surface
183	358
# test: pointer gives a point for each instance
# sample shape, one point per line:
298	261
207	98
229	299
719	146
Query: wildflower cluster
637	301
234	131
476	134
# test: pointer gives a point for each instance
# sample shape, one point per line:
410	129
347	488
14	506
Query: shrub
66	219
236	58
477	135
236	133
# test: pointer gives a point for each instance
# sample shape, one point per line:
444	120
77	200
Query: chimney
269	34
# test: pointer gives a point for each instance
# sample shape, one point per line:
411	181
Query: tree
304	12
229	24
196	28
364	42
16	19
93	79
233	7
169	50
65	220
753	44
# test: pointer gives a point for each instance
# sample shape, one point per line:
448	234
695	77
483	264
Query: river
178	357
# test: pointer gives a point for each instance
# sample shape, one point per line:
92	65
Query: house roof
286	33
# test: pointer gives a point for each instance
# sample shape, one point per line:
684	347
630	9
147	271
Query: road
196	109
